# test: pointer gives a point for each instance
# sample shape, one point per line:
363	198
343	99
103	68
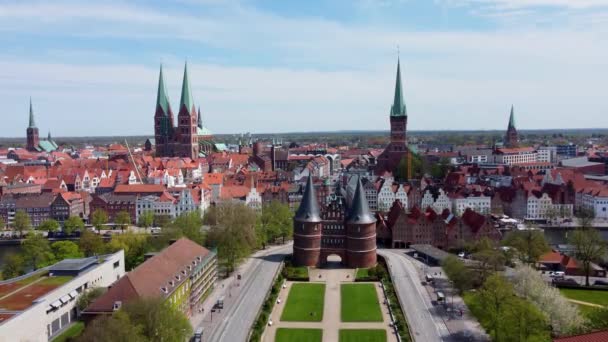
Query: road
243	302
424	321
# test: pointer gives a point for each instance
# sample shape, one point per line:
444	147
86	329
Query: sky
272	66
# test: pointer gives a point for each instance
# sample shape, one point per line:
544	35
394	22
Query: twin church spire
186	99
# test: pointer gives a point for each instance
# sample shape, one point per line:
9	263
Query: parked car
601	282
461	255
565	281
557	274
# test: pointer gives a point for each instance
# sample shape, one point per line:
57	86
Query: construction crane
133	161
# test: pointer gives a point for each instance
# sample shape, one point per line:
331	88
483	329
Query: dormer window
164	290
184	272
178	277
172	283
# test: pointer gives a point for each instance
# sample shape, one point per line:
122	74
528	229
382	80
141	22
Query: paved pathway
585	303
331	323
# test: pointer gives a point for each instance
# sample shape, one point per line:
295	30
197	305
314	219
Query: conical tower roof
162	99
186	99
512	118
32	122
309	208
359	212
398	107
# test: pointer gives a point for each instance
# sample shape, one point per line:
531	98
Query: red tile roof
599	336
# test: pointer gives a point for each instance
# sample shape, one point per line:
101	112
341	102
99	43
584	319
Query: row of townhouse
42	207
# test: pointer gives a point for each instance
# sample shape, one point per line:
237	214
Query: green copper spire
512	118
162	99
200	119
398	107
32	122
186	99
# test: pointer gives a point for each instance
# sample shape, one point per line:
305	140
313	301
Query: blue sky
262	66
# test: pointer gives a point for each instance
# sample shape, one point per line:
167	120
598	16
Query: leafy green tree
585	217
490	261
188	224
37	252
146	219
49	225
530	244
589	247
99	218
458	273
14	266
22	222
401	172
89	297
232	232
66	250
90	243
440	169
160	320
134	245
72	224
123	219
118	327
275	221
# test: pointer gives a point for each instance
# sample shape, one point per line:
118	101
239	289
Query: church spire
32	122
186	99
359	212
398	107
512	118
200	118
309	208
162	99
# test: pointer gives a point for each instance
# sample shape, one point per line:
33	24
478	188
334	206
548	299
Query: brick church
189	139
397	148
348	231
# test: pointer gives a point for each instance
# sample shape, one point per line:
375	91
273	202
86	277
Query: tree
401	172
66	250
146	219
22	222
563	315
90	243
49	225
123	219
490	261
2	223
99	218
37	252
495	296
439	170
72	224
14	266
159	319
585	217
188	224
458	273
115	328
589	247
232	232
530	244
134	245
89	297
275	221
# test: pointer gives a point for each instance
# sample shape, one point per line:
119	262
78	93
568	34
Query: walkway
331	323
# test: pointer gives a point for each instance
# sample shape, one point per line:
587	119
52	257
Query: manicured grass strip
360	303
589	296
362	335
362	273
298	335
304	303
75	330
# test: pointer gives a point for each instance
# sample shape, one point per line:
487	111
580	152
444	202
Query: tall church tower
307	225
32	132
187	121
397	147
163	120
511	138
360	232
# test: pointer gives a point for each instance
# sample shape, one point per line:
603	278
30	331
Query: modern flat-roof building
40	305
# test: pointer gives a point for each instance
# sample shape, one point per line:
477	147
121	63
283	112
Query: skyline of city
256	63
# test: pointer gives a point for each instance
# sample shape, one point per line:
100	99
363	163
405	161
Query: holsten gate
351	236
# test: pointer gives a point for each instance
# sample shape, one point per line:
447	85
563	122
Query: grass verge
362	335
304	303
298	335
359	303
590	296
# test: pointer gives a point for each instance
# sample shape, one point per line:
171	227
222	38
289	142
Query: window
117	264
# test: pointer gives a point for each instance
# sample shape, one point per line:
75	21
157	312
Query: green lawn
362	273
298	335
60	280
590	296
75	330
304	303
360	303
300	273
362	335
